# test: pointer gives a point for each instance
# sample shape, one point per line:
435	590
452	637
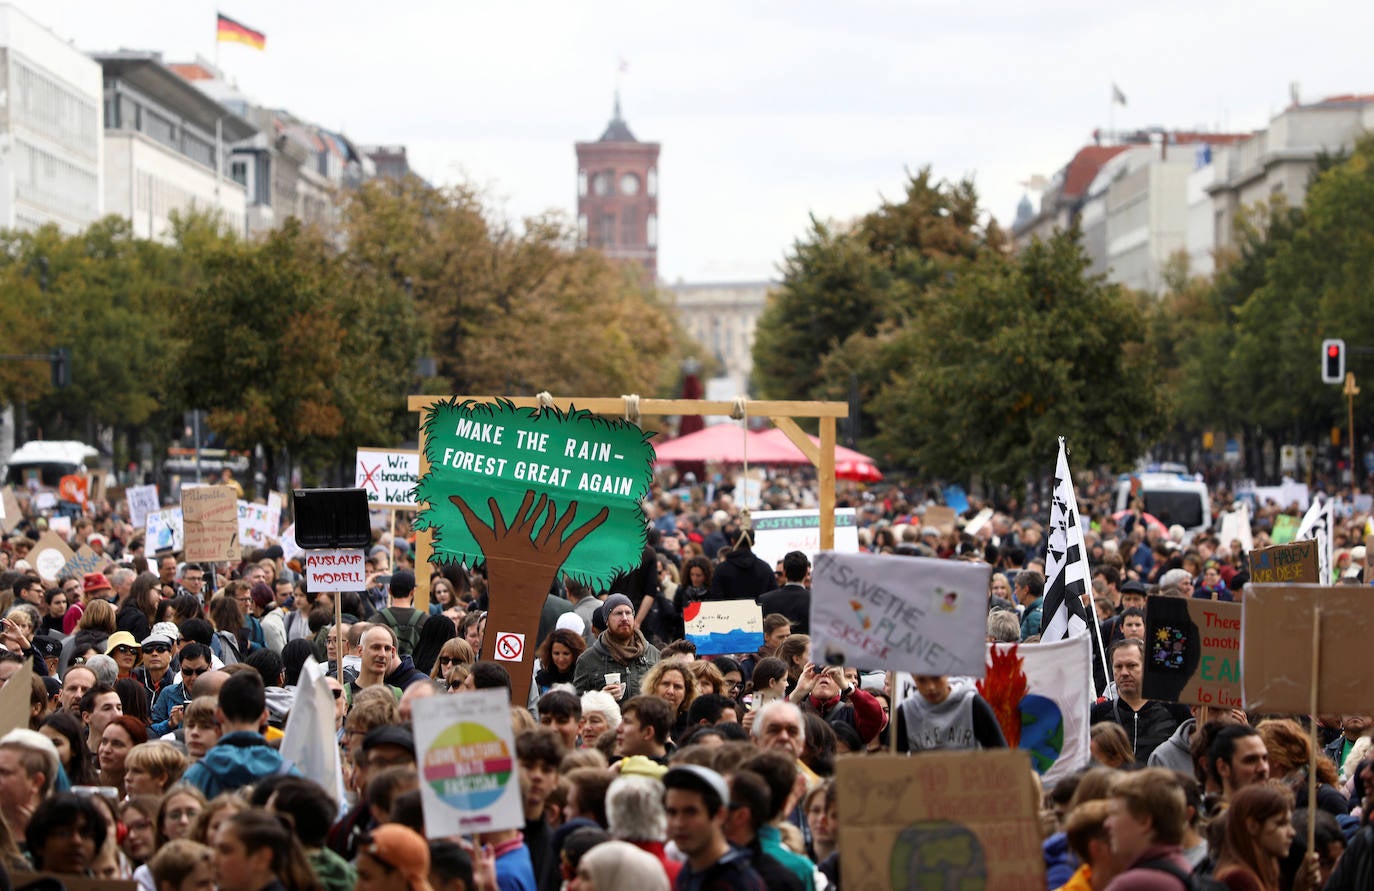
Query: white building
50	144
722	317
165	147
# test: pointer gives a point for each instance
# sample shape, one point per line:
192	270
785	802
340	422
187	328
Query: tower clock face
629	184
603	183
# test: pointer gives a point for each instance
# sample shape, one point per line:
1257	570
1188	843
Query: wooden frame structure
781	413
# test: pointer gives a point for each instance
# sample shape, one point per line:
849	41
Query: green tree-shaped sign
530	493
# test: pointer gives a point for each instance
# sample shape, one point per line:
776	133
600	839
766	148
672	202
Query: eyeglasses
156	648
193	672
622	614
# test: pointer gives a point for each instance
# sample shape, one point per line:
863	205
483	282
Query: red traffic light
1333	351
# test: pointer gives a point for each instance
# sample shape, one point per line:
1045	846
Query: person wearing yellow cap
394	853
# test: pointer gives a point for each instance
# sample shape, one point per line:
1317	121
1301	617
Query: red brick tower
617	195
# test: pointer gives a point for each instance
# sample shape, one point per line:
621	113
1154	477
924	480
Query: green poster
1285	527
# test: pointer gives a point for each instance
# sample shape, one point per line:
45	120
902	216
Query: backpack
1200	879
407	635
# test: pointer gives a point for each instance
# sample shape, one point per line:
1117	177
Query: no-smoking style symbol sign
510	647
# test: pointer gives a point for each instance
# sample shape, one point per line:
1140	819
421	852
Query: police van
1171	495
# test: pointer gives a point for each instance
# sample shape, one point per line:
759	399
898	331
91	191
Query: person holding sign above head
946	715
1148	722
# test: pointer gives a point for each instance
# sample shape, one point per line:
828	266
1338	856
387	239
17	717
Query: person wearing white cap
696	801
28	774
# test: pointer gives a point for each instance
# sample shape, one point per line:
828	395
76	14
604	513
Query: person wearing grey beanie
620	657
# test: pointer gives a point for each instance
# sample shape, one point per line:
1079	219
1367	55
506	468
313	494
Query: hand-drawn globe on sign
468	766
938	856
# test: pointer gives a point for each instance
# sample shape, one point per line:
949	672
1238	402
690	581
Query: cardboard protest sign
1294	563
937	820
1285	527
61	525
915	614
12	513
50	556
388	477
1276	648
940	517
14	699
983	517
1040	695
44	501
210	523
1235	526
724	626
341	569
1192	651
259	524
531	494
289	549
469	778
142	501
164	531
776	532
75	488
84	560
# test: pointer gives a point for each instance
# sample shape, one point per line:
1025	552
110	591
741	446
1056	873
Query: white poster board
776	532
916	614
388	477
142	501
469	776
163	531
259	524
338	569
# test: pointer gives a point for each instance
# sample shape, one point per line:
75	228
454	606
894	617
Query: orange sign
74	488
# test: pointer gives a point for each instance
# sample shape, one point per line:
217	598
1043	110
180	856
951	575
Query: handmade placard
210	523
469	776
164	531
12	513
1192	651
142	500
388	477
259	524
776	532
50	556
1276	648
938	820
717	627
337	569
1040	695
532	493
84	560
940	517
916	614
14	699
1294	564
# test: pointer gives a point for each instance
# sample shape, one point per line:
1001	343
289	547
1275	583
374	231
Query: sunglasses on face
122	650
193	672
447	660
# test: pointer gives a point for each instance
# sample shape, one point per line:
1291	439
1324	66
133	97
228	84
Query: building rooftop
146	71
617	130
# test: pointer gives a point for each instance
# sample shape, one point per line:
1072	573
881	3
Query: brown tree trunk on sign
521	567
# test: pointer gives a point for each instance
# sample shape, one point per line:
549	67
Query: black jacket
742	576
794	602
1148	728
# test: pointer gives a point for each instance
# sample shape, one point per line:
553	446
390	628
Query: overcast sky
766	111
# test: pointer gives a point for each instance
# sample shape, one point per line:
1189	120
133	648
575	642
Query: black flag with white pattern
1066	561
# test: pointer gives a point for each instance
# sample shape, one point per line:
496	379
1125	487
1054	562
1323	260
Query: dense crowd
161	691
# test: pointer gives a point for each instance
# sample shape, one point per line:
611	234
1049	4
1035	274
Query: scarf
627	652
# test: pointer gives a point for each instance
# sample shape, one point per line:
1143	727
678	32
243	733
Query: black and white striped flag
1066	561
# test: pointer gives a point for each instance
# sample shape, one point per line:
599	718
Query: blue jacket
239	759
170	697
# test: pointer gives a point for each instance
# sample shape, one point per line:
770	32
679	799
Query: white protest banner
389	477
210	523
312	721
717	627
776	532
1235	526
163	531
915	614
289	549
469	780
342	569
142	501
259	524
1040	694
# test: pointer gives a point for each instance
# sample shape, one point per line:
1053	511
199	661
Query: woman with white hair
616	864
600	714
634	814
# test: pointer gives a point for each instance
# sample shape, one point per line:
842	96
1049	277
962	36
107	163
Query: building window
651	236
238	172
582	229
629	226
582	184
603	184
653	182
606	236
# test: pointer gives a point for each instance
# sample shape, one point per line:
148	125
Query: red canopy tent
724	443
849	464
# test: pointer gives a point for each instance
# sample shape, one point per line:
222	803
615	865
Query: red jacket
863	712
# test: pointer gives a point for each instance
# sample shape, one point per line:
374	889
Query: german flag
230	31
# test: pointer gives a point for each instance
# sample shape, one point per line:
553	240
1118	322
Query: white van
44	462
1171	497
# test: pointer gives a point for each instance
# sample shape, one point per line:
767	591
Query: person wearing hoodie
742	575
242	756
1176	752
946	715
269	667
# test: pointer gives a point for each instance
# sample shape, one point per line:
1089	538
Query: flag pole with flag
228	30
1319	524
1066	566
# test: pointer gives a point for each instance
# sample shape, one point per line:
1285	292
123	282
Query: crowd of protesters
161	690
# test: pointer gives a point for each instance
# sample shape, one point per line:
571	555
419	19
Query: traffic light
61	359
1333	361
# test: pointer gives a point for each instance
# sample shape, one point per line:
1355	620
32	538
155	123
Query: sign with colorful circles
467	763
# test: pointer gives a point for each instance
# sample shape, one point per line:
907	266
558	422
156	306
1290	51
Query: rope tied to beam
740	412
632	408
545	400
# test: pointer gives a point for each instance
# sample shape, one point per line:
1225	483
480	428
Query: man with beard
621	652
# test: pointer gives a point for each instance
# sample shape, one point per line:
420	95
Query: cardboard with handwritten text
939	820
164	531
941	517
388	476
260	524
335	569
776	532
916	614
210	523
50	556
1276	648
724	626
85	560
532	493
1192	651
1290	564
142	501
